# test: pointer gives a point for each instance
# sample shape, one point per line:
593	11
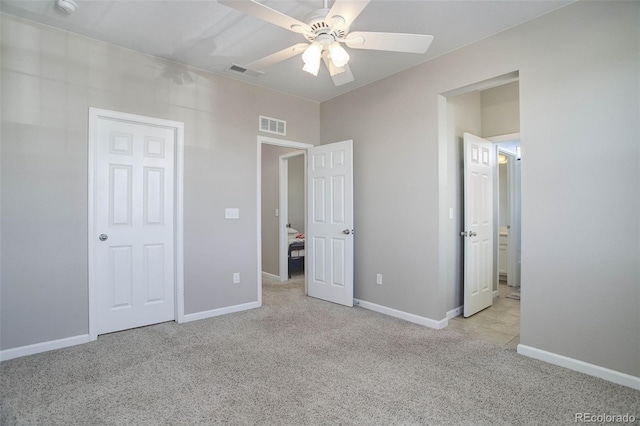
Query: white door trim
94	115
279	142
283	207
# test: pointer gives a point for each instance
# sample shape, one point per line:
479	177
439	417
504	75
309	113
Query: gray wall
500	110
296	193
579	105
49	80
270	202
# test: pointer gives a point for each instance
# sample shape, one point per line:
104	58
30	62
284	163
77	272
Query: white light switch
450	212
277	212
231	213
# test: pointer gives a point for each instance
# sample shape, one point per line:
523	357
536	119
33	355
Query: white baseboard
37	348
455	312
581	366
416	319
271	275
220	311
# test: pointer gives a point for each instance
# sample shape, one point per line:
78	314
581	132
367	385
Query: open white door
479	157
329	239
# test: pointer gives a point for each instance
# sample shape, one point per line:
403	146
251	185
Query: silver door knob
103	237
346	232
473	234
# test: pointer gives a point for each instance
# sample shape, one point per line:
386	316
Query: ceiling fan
325	29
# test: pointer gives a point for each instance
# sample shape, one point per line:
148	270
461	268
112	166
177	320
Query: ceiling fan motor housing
321	29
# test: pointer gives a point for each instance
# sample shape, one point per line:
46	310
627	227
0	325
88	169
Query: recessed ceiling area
210	36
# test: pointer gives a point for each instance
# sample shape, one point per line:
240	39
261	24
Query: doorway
329	246
273	155
292	214
487	108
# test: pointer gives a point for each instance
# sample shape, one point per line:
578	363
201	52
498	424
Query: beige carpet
297	361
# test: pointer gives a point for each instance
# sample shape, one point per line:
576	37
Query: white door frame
94	115
283	207
279	142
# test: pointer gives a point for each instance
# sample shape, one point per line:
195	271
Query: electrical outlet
236	277
379	279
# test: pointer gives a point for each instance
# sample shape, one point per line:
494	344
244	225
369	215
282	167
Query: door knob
346	232
472	234
103	237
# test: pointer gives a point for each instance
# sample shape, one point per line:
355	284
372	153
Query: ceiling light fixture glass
339	56
311	58
333	70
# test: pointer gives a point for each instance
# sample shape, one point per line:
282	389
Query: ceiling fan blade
283	54
395	42
348	10
259	10
339	76
344	77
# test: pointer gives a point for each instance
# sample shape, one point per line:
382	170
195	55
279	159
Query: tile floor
500	323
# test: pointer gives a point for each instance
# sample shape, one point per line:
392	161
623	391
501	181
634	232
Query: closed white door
134	219
329	239
479	157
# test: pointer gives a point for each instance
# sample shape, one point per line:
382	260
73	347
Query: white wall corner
455	312
416	319
581	366
220	311
37	348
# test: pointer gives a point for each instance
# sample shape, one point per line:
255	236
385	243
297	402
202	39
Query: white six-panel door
329	239
134	220
478	224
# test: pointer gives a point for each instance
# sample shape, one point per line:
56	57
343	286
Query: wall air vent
273	125
238	69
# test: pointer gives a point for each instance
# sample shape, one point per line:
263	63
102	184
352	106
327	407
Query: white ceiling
210	36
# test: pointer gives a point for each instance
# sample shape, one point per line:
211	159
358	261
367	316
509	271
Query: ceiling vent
273	125
238	69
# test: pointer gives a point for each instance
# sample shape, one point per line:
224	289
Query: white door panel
330	200
135	211
478	223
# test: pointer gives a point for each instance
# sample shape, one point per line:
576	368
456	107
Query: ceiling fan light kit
339	56
325	29
311	58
